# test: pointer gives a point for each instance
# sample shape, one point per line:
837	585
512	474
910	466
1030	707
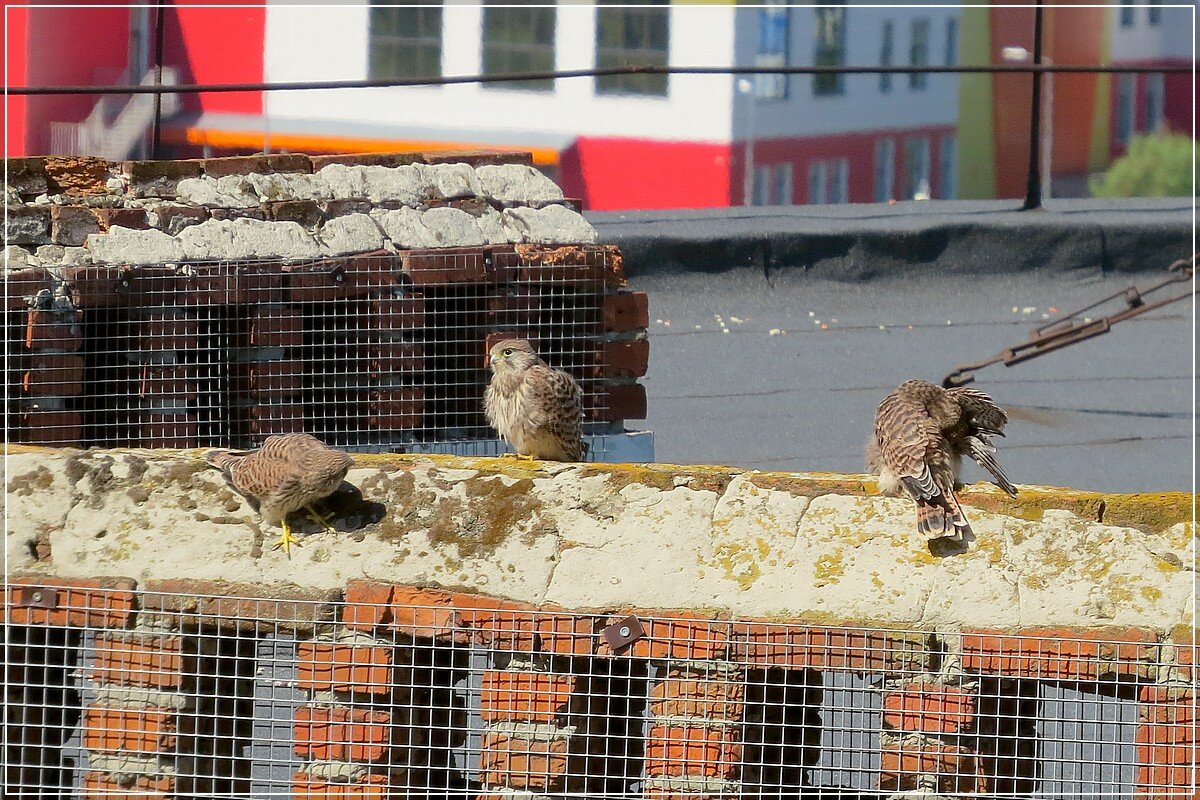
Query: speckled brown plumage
289	472
536	409
922	431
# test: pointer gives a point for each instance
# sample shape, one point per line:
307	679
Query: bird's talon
320	520
286	540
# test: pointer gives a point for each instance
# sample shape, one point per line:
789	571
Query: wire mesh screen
203	696
376	352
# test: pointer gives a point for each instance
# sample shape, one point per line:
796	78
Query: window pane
830	49
951	42
947	168
1126	13
1154	12
405	42
781	185
816	182
885	170
632	36
762	186
1123	126
1154	102
918	53
773	35
886	47
518	40
916	168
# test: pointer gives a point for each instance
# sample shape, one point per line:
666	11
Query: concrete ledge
805	547
861	242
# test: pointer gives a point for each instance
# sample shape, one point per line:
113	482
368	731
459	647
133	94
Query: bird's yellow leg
286	540
518	456
320	520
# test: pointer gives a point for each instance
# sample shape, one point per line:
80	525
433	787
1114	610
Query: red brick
261	163
52	330
174	218
929	708
523	764
957	769
716	696
305	213
159	381
263	419
95	286
134	218
71	225
1060	653
342	734
273	377
625	359
90	602
343	277
366	160
23	283
170	172
620	402
1160	782
275	326
395	313
367	605
395	356
478	158
1182	732
711	752
568	634
438	266
596	265
102	786
49	427
802	647
523	696
683	636
162	329
157	663
76	174
626	311
369	787
327	666
175	431
133	730
519	309
226	284
54	375
396	409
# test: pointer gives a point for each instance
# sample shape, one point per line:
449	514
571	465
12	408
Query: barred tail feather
942	516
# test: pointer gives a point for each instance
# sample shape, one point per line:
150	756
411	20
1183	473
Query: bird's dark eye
508	352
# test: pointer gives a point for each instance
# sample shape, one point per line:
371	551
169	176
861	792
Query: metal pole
1048	138
747	86
156	130
1033	182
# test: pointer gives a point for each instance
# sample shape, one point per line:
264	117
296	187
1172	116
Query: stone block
352	233
246	239
401	184
172	218
289	186
516	183
228	191
158	178
550	225
27	225
449	181
451	227
127	246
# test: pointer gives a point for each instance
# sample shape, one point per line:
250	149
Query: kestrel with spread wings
288	473
536	409
922	431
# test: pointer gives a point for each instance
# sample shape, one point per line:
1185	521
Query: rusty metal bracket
125	281
37	597
624	632
338	273
1067	329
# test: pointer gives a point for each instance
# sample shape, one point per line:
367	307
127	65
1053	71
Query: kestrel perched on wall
536	409
922	431
289	472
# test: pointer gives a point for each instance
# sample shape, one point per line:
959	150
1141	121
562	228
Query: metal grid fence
205	696
374	352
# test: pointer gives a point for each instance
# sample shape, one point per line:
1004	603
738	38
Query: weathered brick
91	602
76	174
53	330
162	329
71	225
155	662
681	694
27	225
396	356
524	696
303	212
366	160
339	733
615	403
629	358
367	605
396	409
953	768
275	326
345	205
626	311
227	284
99	785
929	708
395	313
134	218
515	309
93	286
568	634
680	636
1160	782
176	431
523	764
267	419
54	375
438	266
25	283
237	213
342	277
159	381
133	730
50	427
158	178
588	265
707	751
326	666
240	606
1060	653
803	647
27	176
369	787
272	377
478	158
174	218
1167	705
261	163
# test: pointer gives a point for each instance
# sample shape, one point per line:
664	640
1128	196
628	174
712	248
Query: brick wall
214	302
186	688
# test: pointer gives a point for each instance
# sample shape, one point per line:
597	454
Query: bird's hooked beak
489	361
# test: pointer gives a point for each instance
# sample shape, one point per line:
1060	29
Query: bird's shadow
347	510
944	546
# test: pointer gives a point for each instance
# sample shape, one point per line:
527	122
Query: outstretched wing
984	420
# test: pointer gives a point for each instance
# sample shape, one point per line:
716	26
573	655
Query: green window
518	40
632	35
405	42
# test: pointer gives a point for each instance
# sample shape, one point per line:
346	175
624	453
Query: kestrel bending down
288	473
535	408
922	431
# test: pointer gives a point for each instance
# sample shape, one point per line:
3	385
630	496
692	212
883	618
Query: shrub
1155	165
